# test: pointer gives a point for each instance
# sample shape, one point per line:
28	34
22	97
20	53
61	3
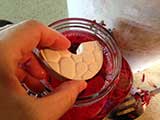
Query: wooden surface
151	74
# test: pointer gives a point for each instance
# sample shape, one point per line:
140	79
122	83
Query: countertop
152	75
45	11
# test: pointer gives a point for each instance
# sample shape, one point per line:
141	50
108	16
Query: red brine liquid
120	86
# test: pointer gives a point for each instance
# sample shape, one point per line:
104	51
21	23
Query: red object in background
143	78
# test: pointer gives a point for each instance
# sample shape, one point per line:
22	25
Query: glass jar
110	86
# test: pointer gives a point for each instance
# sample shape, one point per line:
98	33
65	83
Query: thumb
60	101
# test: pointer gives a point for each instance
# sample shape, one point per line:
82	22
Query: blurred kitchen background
137	21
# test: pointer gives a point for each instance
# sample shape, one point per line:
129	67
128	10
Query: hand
16	45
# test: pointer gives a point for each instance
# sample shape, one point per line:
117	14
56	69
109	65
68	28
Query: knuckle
33	23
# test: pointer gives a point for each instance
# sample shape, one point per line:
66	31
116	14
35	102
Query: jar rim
60	24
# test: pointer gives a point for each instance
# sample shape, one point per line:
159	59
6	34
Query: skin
16	45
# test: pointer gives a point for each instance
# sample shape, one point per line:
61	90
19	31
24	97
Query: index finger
27	35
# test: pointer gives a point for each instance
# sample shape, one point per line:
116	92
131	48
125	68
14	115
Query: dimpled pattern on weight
81	66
